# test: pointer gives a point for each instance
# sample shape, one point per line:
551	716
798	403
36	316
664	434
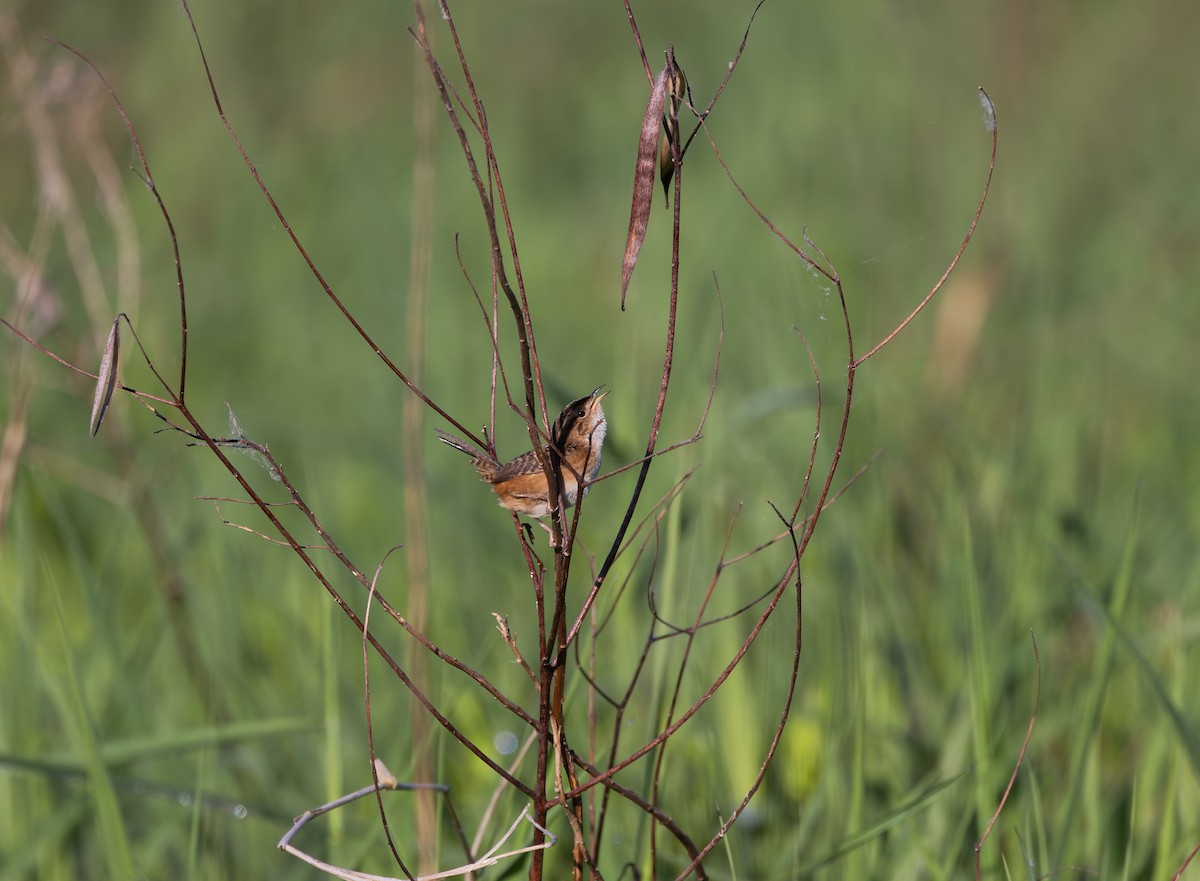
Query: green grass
1041	476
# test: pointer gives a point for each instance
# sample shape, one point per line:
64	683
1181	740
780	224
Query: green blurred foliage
1035	421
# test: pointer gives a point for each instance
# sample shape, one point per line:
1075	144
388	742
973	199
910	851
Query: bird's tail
484	464
460	445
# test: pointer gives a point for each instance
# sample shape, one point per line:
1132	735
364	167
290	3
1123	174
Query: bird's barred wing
523	465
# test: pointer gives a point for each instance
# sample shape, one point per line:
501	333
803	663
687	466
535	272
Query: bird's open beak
596	395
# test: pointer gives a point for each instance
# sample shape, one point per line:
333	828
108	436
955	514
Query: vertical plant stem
412	429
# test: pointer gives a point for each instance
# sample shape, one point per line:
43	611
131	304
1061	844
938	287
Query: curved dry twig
990	124
733	65
299	246
148	180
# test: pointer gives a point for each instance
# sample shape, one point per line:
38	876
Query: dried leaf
643	180
106	378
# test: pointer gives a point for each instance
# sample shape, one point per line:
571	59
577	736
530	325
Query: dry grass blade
106	379
643	179
388	783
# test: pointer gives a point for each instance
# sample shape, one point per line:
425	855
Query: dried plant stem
560	778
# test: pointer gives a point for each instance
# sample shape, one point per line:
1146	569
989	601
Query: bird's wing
526	463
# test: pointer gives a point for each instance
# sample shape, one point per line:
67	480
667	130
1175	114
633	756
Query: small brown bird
520	485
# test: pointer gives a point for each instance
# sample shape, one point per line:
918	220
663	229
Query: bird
520	485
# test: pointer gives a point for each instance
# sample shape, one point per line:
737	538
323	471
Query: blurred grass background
1039	467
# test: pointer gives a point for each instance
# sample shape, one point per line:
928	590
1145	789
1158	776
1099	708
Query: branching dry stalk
584	789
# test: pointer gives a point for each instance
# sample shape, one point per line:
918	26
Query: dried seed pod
677	88
106	378
643	179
